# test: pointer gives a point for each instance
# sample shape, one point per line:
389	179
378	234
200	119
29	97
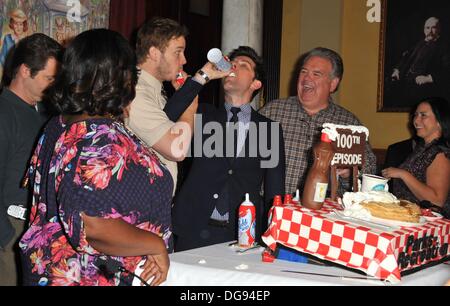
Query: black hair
441	110
260	73
98	75
33	51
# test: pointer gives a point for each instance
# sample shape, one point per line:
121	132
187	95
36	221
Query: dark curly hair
98	75
260	72
441	110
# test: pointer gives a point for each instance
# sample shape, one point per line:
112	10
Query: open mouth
308	88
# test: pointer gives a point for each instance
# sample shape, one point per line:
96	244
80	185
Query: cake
402	211
380	204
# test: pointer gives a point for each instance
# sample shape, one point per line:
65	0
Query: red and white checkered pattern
370	250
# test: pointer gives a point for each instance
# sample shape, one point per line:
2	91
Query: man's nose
183	60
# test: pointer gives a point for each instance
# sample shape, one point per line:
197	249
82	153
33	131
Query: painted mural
60	19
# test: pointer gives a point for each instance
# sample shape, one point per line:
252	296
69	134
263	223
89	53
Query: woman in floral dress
101	198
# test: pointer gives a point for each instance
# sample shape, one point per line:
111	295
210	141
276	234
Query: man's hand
395	75
344	173
424	79
212	72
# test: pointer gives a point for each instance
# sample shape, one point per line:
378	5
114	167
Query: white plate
437	216
422	221
367	223
384	222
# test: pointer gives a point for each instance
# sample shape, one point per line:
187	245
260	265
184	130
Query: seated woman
101	198
425	174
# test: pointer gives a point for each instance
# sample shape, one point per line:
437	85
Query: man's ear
334	84
256	84
24	71
154	54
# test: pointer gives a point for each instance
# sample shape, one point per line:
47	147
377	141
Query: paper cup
374	183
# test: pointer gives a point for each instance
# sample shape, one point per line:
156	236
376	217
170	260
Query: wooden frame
401	37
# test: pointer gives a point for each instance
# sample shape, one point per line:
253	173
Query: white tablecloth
218	265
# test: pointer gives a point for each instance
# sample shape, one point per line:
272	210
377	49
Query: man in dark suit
205	211
423	70
397	152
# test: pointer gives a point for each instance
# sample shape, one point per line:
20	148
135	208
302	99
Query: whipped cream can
247	220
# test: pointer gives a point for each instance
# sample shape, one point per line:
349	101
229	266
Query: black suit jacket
195	202
397	153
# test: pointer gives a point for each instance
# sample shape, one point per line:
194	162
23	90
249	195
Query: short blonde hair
19	16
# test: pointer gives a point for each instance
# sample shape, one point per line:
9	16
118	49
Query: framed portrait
414	53
59	19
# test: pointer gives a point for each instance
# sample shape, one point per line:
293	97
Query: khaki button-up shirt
147	118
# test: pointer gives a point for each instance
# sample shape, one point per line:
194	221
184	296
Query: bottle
276	202
287	199
247	220
316	184
296	199
216	57
180	79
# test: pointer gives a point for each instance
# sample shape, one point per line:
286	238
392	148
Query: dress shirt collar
246	109
150	79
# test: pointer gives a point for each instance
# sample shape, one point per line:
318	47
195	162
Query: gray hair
334	58
438	22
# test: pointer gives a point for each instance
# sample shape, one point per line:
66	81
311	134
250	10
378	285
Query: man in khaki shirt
160	54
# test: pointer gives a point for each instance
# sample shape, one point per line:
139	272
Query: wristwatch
203	75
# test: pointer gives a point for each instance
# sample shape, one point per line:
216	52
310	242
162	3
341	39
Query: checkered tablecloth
380	253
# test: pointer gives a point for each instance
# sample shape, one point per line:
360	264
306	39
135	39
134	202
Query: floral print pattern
100	168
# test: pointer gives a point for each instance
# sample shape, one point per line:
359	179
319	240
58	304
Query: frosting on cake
331	130
351	198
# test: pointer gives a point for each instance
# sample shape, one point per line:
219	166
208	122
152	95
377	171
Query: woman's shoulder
104	148
8	38
440	165
441	147
444	154
97	137
439	153
106	135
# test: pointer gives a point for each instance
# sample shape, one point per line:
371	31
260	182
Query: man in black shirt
31	68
